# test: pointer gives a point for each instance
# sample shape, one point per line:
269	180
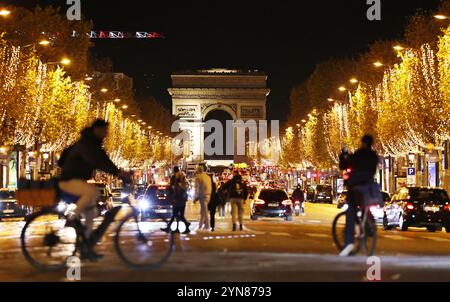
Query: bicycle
48	240
365	231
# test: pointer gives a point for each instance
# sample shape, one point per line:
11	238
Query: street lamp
4	12
117	100
64	61
88	78
330	100
124	107
398	47
104	90
353	80
378	64
303	121
440	17
342	89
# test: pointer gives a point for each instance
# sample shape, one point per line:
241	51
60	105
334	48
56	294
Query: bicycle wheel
46	241
370	236
338	232
142	244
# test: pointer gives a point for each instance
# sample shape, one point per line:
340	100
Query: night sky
284	38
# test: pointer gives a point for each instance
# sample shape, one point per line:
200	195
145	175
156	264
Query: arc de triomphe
195	94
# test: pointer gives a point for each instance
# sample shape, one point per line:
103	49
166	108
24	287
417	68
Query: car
9	207
118	196
105	202
377	211
418	207
323	193
271	203
155	203
309	193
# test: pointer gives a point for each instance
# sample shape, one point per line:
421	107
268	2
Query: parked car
9	207
155	203
271	203
323	193
418	207
378	211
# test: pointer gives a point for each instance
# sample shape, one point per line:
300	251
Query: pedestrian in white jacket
203	189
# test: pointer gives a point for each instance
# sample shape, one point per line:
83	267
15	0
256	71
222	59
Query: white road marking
438	239
314	221
280	234
395	237
318	235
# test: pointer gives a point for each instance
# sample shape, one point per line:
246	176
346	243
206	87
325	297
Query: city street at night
247	145
267	250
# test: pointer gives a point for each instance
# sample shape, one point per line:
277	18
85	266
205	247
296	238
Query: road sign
411	179
411	171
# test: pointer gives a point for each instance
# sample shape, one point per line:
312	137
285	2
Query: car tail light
409	206
259	201
287	202
447	208
372	208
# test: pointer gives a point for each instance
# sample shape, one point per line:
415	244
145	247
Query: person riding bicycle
78	163
361	166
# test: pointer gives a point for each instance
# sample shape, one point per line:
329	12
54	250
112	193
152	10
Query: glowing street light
398	47
4	12
104	90
378	64
143	123
353	80
64	61
117	100
124	107
303	121
139	121
342	89
44	42
330	100
149	127
88	78
441	17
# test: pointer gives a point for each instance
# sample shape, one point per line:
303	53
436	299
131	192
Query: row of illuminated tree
42	109
404	102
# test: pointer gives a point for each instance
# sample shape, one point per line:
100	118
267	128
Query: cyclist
362	166
78	163
299	195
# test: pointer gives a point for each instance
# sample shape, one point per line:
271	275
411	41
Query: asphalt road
267	250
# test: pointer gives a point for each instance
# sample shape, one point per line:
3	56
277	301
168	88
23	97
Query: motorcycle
299	208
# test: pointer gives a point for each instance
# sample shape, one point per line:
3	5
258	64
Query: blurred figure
178	190
203	189
213	203
222	196
237	193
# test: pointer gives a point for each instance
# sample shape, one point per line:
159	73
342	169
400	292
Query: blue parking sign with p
411	171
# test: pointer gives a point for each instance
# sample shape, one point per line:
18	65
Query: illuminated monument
220	94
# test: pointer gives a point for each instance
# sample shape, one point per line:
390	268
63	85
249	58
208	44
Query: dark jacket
298	195
363	164
178	189
215	200
236	188
81	159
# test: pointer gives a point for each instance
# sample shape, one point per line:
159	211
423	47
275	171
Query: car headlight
61	207
144	204
345	207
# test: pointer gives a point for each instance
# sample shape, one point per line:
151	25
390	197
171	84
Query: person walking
213	204
237	193
203	189
222	200
178	192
